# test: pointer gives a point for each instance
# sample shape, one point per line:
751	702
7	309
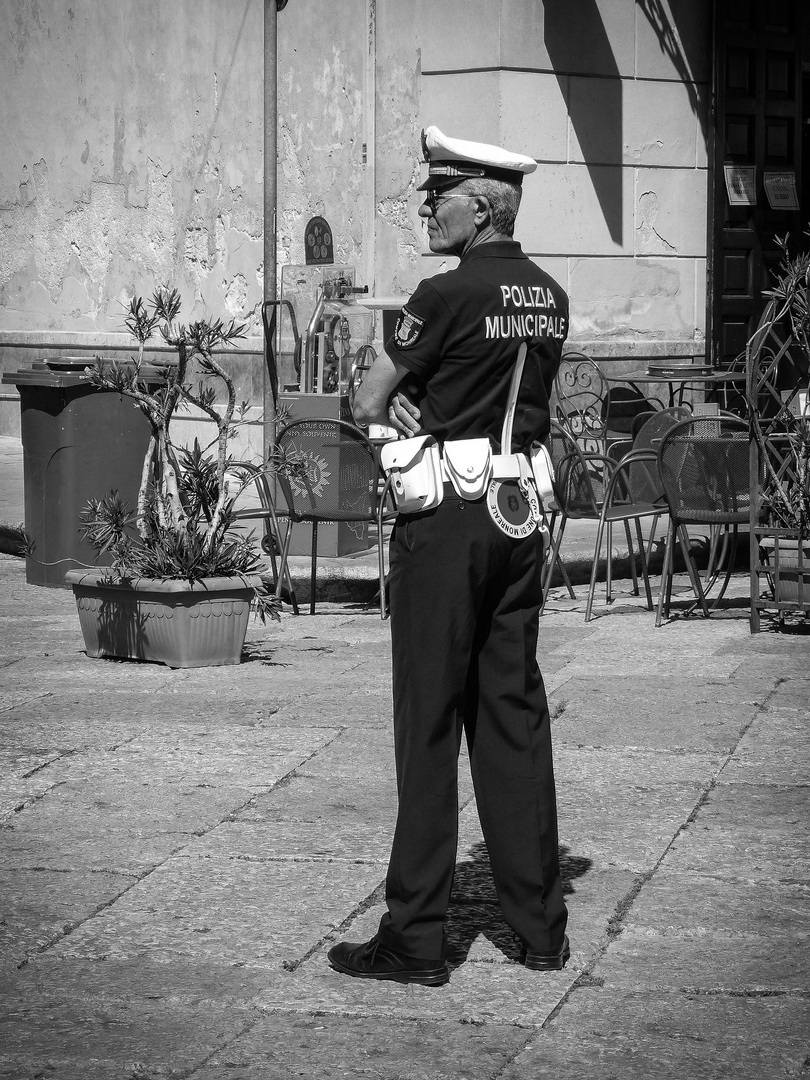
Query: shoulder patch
409	327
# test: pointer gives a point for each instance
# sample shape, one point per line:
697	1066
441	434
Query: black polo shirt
459	335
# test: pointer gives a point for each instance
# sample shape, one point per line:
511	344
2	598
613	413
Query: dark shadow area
577	42
262	652
793	625
122	627
474	907
12	540
665	24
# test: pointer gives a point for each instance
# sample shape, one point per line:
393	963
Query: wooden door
757	124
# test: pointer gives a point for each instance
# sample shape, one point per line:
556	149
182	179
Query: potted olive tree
183	578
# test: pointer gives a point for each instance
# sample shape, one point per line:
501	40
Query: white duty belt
417	468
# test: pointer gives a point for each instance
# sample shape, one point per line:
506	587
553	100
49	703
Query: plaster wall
610	96
133	153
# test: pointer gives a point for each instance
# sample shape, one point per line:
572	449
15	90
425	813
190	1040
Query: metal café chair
625	409
578	401
579	492
328	471
703	462
248	474
634	491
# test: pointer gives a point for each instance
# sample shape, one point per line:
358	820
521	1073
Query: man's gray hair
504	200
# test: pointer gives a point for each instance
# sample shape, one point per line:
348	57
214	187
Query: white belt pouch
414	469
468	466
543	471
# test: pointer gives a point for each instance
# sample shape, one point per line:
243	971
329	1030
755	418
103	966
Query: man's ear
482	207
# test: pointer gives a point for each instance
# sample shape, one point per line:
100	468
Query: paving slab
22	780
281	1046
614	711
623	809
747	832
317	798
712	963
793	692
360	841
367	751
669	1036
772	750
257	914
106	718
125	825
106	1041
138	979
682	903
203	754
693	931
40	906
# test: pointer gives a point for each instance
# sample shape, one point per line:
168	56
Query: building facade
671	137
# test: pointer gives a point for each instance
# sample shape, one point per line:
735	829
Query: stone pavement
181	848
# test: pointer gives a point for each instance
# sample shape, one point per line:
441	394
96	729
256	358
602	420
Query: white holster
414	469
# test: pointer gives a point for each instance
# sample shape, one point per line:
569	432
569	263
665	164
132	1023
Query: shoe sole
429	977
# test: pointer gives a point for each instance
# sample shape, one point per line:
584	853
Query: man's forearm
380	382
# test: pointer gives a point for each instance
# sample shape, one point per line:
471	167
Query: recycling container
78	443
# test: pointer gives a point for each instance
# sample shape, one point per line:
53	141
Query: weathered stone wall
133	153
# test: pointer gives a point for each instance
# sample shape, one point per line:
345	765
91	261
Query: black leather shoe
374	960
538	961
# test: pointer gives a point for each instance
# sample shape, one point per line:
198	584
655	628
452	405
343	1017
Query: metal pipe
308	366
370	145
270	145
271	10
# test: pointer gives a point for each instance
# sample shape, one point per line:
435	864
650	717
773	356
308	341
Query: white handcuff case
543	472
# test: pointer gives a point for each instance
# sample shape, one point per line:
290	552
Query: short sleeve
421	331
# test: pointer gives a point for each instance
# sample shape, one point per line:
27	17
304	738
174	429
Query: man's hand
404	416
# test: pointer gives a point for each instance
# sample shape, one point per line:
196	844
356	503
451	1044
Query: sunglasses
433	199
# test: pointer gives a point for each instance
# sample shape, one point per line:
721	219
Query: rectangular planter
170	622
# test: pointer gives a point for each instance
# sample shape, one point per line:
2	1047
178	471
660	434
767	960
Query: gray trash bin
78	443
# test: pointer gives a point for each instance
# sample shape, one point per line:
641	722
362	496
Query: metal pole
370	146
271	9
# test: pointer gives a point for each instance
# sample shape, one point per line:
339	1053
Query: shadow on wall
577	41
665	24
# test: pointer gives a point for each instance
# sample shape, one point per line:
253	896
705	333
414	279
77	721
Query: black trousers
465	602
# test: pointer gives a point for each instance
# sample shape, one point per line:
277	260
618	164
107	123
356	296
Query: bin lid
68	371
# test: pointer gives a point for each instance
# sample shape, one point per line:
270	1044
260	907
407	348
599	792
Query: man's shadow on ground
474	907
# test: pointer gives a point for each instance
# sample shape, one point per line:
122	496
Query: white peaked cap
452	160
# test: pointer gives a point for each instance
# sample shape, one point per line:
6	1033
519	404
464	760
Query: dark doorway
758	148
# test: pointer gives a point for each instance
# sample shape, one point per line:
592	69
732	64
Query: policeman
465	575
